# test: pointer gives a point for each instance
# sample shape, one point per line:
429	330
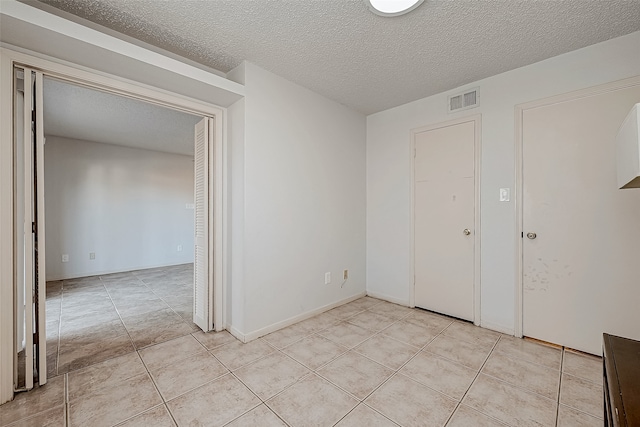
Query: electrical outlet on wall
179	249
92	255
65	257
345	274
327	277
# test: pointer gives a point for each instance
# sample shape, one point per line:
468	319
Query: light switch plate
505	194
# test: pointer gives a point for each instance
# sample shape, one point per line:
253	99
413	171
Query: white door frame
95	79
477	121
519	183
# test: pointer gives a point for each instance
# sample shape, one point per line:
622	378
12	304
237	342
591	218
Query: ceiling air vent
464	100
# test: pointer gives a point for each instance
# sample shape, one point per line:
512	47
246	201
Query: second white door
581	241
444	219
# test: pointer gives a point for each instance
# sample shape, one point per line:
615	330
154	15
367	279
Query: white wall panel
301	174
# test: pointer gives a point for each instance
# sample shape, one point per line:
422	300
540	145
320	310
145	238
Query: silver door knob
531	235
466	231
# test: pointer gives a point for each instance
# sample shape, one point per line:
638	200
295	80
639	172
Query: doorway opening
119	224
124	208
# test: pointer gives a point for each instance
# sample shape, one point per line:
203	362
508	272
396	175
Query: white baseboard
236	333
389	298
246	337
105	272
250	336
497	328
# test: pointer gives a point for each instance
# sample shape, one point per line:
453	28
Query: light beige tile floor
97	318
366	363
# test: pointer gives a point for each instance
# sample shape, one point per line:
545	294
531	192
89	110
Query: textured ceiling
89	115
340	49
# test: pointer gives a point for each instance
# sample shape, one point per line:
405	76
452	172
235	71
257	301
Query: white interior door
444	219
203	267
31	286
581	270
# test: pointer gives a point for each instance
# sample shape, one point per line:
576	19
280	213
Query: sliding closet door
31	287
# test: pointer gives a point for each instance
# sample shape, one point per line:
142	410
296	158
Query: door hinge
33	115
522	234
33	227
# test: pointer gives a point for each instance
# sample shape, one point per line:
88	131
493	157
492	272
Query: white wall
126	205
235	215
302	207
388	169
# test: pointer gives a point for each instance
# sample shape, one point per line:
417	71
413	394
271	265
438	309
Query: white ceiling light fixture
393	7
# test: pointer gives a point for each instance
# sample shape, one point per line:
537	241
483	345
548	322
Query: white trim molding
250	336
40	31
7	238
388	298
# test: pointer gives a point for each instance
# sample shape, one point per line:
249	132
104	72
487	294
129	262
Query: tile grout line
395	371
277	350
360	401
164	402
311	371
562	373
119	315
162	299
598	383
582	411
274	349
119	423
315	371
472	382
374	410
517	386
196	387
353	349
509	356
262	402
185	356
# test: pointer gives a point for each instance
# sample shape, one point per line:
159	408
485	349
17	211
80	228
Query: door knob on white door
531	235
466	231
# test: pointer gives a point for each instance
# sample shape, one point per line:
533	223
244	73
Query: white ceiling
89	115
340	49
